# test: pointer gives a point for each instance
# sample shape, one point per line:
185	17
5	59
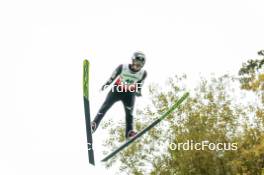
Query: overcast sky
43	44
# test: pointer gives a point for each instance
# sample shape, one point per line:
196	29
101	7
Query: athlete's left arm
140	84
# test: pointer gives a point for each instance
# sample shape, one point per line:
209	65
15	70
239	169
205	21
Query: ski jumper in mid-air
128	80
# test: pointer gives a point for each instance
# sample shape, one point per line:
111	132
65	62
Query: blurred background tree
216	111
251	159
252	75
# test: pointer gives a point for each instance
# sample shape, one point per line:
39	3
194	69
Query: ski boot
131	134
93	127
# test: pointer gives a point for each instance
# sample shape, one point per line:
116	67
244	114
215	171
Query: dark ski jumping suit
127	85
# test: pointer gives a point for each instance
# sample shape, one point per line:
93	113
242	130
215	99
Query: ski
128	142
86	70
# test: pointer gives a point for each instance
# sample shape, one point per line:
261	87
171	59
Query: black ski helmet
139	56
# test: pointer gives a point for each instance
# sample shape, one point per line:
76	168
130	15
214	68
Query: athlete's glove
103	87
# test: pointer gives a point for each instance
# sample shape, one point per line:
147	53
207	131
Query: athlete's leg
111	98
129	101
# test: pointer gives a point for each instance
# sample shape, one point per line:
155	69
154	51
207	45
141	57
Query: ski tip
85	61
105	159
186	94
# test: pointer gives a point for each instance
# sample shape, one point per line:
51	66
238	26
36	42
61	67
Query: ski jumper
127	85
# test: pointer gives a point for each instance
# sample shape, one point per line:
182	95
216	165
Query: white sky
43	44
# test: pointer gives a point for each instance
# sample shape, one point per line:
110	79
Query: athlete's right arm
117	72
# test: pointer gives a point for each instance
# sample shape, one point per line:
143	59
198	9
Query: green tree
252	75
207	115
251	153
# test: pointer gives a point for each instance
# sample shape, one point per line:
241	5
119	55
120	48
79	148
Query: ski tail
176	105
86	66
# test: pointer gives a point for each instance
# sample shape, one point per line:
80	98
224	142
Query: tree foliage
252	75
